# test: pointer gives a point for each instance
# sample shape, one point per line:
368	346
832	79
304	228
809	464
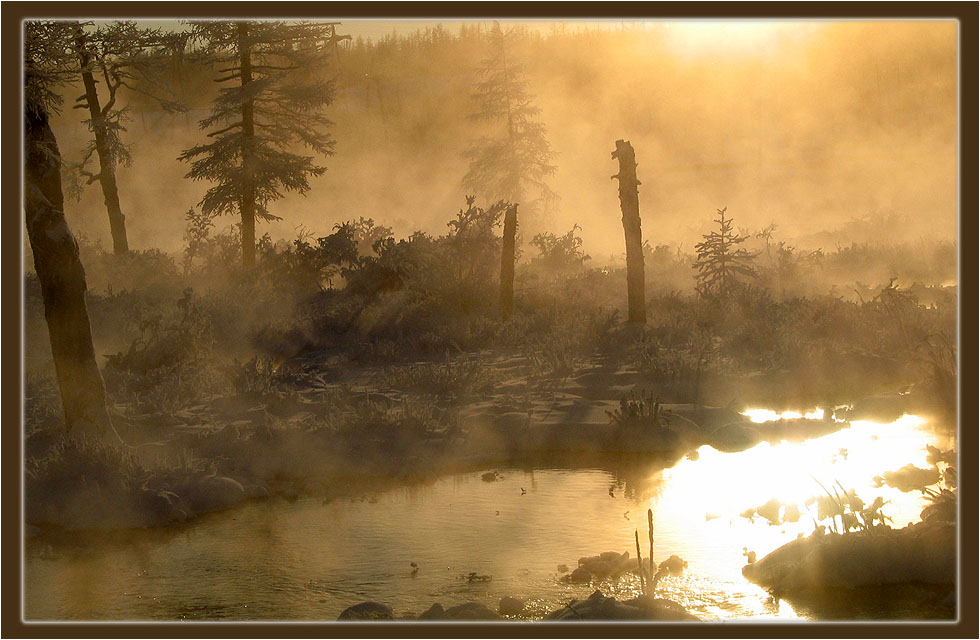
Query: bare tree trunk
107	164
248	134
630	203
507	262
62	282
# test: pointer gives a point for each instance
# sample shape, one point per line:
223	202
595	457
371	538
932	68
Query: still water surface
310	559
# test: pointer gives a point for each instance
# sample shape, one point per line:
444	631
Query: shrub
453	377
559	254
83	482
553	355
170	364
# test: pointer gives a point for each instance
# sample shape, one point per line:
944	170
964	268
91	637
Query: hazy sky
740	30
806	124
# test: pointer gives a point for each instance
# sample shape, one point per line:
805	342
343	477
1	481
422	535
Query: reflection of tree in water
639	478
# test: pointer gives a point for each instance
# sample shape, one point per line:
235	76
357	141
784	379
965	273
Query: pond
309	559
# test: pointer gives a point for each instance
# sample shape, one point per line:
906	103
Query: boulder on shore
467	611
599	607
435	612
924	552
367	611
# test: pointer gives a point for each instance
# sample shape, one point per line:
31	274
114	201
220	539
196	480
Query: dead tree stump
630	203
507	262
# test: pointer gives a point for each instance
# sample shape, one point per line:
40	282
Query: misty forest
561	321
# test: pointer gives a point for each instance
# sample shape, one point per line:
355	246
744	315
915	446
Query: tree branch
112	89
226	129
273	67
92	177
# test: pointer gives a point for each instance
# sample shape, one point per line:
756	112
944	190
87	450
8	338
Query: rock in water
673	565
511	606
605	565
580	574
367	611
910	478
770	511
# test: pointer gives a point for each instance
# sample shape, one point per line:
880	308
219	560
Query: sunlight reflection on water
698	503
310	560
767	415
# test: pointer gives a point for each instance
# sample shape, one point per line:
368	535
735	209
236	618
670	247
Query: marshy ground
340	395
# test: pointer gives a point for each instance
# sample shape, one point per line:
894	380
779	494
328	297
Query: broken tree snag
62	279
507	262
630	203
107	163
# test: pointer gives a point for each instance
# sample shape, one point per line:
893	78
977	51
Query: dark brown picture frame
14	12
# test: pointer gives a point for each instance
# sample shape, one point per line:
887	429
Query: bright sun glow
704	499
697	37
852	456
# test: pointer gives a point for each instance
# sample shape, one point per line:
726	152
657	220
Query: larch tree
720	262
48	53
270	110
116	54
513	162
